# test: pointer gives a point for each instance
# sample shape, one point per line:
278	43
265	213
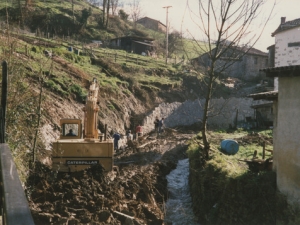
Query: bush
78	91
55	87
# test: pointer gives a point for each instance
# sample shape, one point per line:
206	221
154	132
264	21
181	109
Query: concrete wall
246	68
275	129
284	55
286	141
191	112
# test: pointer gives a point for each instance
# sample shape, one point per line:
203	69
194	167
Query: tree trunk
21	22
73	11
205	115
103	15
107	13
34	153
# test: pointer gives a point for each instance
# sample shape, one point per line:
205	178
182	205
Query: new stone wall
190	112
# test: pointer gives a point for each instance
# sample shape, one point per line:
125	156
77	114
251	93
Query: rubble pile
133	193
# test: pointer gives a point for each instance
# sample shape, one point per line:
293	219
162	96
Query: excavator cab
71	129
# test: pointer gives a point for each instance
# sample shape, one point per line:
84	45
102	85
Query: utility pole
167	42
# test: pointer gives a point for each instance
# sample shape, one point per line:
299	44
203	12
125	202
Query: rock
104	216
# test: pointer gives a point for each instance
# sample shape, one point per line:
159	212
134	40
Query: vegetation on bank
225	191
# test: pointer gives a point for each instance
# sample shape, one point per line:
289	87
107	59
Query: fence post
11	48
116	57
264	150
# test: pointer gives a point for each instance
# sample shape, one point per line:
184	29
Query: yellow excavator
79	148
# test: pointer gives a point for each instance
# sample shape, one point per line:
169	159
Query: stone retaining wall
190	112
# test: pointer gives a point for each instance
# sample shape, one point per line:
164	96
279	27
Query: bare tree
135	11
104	2
73	12
225	24
114	5
94	2
107	12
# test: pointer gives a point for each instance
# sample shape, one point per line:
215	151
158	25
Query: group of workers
158	127
129	135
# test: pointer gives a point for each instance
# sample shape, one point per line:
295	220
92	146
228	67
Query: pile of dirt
90	196
133	193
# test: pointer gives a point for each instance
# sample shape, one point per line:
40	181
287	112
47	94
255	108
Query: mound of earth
133	193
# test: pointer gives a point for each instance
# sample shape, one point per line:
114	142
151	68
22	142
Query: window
70	129
294	44
255	60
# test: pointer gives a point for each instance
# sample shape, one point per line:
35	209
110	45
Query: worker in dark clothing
156	124
71	133
161	126
116	137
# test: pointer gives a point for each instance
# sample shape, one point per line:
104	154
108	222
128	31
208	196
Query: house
286	108
242	62
152	24
264	111
133	44
263	114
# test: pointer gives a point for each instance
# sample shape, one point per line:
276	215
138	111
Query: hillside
45	88
49	76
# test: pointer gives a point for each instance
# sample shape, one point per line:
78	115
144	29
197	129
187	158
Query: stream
179	205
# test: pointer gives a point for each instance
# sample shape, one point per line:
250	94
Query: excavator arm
91	112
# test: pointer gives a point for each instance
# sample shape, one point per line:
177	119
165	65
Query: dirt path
133	193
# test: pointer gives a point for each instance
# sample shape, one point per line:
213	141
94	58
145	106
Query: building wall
266	113
253	63
152	24
275	129
286	141
162	27
285	55
247	68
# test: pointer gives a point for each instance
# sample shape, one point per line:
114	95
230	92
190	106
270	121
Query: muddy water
179	205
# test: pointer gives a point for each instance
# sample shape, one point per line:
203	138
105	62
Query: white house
286	134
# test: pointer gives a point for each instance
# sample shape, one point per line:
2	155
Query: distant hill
83	21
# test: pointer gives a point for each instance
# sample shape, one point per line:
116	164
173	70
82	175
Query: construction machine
81	147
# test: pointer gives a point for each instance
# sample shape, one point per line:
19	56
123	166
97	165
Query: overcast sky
180	19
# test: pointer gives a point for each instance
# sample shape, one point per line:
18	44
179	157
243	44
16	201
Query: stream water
179	205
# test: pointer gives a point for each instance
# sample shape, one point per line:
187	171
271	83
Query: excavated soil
135	192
